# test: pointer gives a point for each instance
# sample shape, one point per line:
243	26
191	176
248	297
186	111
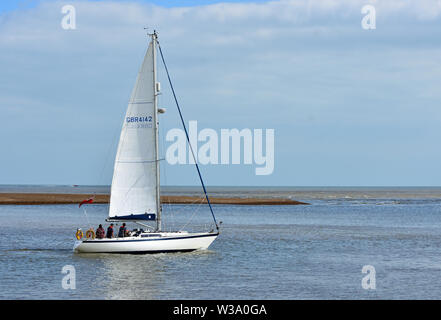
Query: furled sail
134	184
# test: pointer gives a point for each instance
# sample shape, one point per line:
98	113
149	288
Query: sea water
312	251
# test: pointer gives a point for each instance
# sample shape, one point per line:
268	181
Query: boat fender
79	234
90	234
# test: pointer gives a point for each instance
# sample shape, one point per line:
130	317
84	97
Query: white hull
154	243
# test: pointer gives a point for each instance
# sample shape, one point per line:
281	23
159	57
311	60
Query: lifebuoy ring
90	234
79	234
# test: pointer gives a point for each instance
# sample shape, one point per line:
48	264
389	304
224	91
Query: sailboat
135	190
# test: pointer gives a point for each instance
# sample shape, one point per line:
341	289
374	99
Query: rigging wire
87	218
164	179
186	134
194	213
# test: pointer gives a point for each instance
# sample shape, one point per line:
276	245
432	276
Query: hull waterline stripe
141	252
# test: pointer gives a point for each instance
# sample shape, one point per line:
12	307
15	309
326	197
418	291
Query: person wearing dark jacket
109	233
100	232
122	231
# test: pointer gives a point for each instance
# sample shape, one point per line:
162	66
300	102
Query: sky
349	106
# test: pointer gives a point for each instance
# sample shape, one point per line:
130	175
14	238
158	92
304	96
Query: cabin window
150	235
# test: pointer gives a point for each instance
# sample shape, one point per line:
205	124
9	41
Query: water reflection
126	276
144	276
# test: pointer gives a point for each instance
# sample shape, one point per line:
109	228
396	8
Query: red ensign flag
90	200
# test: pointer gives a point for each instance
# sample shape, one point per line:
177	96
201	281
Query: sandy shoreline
57	198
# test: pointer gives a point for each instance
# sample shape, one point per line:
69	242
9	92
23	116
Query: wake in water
36	250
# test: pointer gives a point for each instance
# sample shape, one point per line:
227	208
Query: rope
87	218
188	138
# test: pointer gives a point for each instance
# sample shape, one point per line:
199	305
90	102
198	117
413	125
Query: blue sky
349	106
11	5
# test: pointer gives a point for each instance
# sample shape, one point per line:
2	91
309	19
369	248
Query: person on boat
109	233
122	231
100	232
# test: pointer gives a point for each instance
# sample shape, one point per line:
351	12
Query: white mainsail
134	186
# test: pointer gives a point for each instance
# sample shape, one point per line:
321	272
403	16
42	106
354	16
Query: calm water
264	252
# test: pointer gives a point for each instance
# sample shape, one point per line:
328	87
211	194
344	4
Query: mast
156	124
